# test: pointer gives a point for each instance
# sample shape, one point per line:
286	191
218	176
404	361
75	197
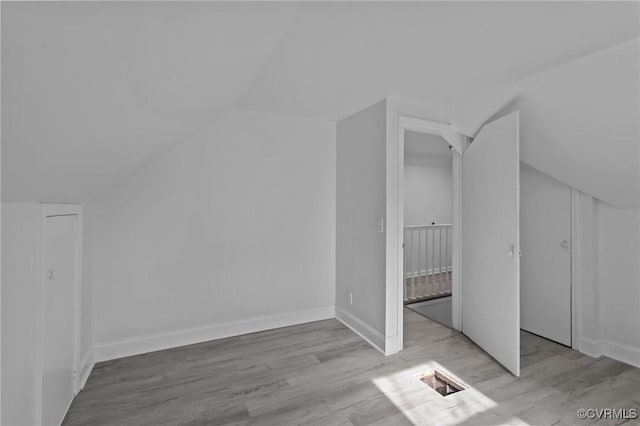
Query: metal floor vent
441	383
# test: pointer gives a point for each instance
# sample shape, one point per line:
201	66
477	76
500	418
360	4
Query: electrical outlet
351	298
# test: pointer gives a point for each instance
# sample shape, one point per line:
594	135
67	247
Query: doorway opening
433	138
485	233
428	226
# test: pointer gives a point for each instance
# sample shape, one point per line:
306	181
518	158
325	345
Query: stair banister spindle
424	283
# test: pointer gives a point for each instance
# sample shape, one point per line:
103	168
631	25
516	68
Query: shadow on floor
438	310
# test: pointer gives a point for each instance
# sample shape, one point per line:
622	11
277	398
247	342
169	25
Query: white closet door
545	227
58	341
490	241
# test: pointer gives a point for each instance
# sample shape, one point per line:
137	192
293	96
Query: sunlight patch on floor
422	405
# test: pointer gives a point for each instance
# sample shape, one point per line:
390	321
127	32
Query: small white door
58	339
545	232
490	241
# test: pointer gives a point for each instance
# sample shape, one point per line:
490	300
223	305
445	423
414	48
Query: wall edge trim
622	352
155	342
361	328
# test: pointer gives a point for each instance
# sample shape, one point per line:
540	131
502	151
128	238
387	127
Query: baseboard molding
392	345
619	351
86	366
362	329
591	347
156	342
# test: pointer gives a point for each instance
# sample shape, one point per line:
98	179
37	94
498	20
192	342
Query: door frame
406	123
52	210
575	247
403	116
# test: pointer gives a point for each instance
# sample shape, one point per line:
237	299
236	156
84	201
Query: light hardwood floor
323	374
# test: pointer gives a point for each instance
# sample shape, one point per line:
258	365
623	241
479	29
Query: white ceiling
418	144
93	91
582	123
337	59
579	122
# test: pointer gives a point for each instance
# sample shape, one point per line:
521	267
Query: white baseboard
156	342
392	345
86	366
591	347
362	329
619	351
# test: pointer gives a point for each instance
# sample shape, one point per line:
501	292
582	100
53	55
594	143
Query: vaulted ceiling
336	60
579	122
93	91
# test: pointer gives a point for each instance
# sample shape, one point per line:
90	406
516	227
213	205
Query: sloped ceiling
579	122
425	145
338	59
93	91
423	149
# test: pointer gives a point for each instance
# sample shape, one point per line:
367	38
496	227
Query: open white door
490	241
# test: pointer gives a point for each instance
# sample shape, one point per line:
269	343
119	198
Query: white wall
360	247
428	197
428	194
619	282
218	236
20	283
609	280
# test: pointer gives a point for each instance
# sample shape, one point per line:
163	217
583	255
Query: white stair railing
427	262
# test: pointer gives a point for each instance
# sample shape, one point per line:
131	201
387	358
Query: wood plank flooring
323	374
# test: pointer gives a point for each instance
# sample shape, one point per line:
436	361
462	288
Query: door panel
545	226
490	241
59	317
